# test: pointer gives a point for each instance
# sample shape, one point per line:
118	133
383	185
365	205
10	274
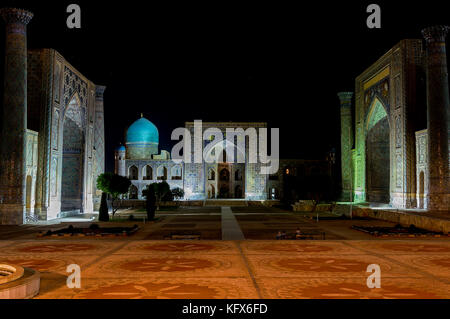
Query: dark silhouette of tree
113	184
177	193
103	214
161	192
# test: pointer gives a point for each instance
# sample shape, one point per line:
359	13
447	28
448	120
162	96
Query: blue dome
120	148
142	131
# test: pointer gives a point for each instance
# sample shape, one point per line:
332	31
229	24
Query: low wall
266	203
405	218
138	203
308	206
190	202
128	203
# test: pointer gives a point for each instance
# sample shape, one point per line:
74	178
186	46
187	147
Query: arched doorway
211	191
224	156
72	158
224	175
224	183
162	173
237	175
133	173
176	172
238	191
377	154
421	189
211	175
147	172
28	193
224	191
133	192
273	193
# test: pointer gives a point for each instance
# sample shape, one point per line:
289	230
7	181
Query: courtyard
146	265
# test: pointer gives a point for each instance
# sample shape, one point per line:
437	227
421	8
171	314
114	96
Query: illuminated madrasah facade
397	151
52	146
140	161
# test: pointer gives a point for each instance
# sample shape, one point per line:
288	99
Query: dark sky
225	61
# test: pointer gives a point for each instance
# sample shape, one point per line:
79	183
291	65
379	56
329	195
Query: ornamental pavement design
235	269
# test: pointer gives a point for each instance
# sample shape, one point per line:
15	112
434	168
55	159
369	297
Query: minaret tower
438	105
346	145
13	138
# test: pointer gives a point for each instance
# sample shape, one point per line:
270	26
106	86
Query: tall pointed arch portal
72	157
377	154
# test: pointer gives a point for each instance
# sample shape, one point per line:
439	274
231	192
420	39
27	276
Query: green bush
177	193
103	212
168	197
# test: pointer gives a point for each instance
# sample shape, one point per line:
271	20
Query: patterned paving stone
403	247
54	247
169	265
310	266
230	269
435	265
166	288
351	288
189	247
300	247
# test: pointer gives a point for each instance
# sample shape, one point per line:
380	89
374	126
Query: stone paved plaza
136	267
236	269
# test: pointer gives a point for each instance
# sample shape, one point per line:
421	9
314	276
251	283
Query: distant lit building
140	161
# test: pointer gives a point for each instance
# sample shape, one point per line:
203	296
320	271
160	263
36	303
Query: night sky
223	61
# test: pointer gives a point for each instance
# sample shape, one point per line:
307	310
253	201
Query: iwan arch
397	152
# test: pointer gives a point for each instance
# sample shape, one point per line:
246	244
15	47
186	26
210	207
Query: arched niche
377	153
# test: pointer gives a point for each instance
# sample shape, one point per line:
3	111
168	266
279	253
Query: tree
177	193
168	196
316	186
113	184
161	190
103	211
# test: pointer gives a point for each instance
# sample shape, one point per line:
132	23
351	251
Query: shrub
161	191
168	197
177	193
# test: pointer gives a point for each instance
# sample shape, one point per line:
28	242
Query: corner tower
119	163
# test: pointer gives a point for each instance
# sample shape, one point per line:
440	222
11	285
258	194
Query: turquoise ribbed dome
142	131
